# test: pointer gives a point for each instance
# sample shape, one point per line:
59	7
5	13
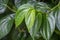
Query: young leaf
20	14
30	18
19	17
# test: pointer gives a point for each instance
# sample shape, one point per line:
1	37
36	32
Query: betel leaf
6	25
2	6
20	14
29	19
48	26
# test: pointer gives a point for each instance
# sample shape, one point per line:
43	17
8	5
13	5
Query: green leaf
29	19
2	6
19	18
20	2
6	25
42	7
37	24
20	14
48	26
57	13
34	30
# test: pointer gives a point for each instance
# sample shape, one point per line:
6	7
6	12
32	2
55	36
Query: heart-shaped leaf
34	27
30	18
48	26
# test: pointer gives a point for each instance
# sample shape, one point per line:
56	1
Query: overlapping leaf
20	2
48	26
37	24
33	20
20	14
33	24
6	25
41	6
2	6
30	18
57	13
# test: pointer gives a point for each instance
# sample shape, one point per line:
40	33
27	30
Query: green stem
54	7
9	7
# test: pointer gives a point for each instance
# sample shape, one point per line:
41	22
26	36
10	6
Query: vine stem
54	7
9	7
